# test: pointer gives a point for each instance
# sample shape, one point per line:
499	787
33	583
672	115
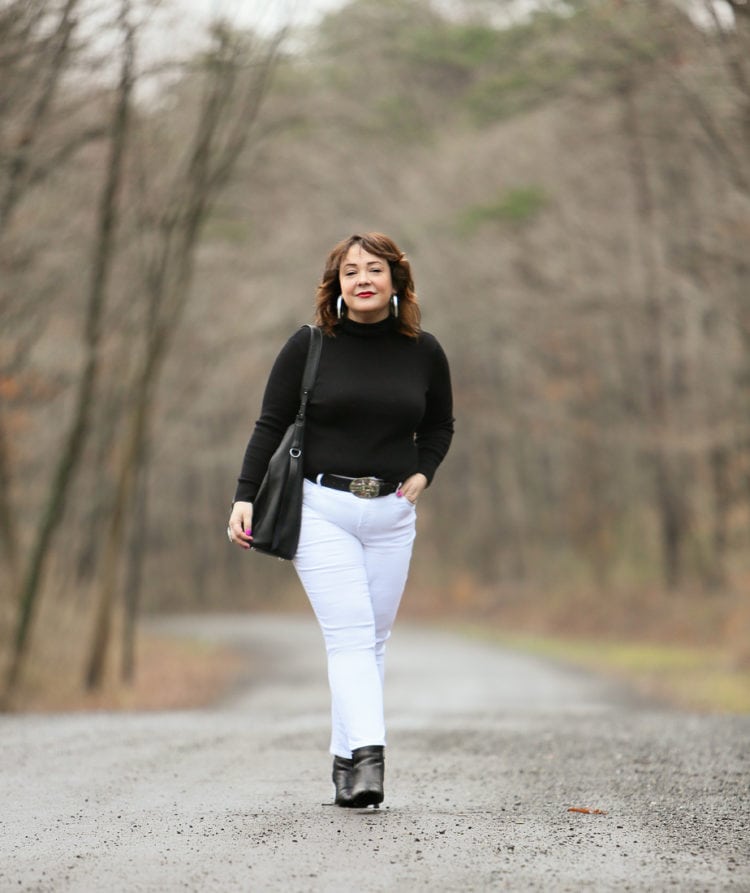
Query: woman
379	422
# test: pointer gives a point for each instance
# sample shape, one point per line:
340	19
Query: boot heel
342	780
367	776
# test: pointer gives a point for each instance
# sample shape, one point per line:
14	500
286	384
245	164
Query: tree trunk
115	531
8	532
669	494
136	556
72	451
722	504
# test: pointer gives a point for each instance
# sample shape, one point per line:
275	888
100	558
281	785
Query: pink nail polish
248	532
399	492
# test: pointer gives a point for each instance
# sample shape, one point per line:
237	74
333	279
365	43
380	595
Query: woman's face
366	285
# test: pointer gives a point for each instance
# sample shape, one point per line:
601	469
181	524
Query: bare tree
72	449
31	64
236	84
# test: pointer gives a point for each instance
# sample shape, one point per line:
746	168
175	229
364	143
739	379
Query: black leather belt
365	488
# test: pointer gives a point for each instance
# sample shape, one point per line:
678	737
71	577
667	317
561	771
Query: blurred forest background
571	182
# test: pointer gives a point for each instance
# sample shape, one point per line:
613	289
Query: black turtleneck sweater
381	405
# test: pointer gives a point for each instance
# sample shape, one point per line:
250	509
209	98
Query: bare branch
20	161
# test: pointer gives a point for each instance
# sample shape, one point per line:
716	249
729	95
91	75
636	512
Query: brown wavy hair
409	314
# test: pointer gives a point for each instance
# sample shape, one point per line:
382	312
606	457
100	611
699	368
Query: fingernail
399	492
248	532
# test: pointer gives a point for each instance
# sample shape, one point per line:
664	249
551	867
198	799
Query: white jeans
353	560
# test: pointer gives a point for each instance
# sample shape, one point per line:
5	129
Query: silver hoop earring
394	305
340	306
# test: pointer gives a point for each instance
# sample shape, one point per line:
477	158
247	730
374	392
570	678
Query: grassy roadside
688	677
180	674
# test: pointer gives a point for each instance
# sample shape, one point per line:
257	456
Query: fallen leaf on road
586	811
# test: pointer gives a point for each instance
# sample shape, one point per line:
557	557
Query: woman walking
379	423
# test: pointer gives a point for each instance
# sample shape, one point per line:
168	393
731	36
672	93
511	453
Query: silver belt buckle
365	488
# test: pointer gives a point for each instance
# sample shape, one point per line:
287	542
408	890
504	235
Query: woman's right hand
240	527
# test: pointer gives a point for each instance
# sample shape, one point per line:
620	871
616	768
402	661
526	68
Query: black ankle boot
342	779
367	776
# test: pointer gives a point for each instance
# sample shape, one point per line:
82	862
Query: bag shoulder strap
311	369
313	358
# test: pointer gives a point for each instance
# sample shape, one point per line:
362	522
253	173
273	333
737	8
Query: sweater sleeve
279	407
435	431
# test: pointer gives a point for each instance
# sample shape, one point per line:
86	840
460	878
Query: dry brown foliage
572	192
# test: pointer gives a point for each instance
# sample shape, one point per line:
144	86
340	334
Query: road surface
487	752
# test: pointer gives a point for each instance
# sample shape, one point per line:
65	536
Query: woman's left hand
412	487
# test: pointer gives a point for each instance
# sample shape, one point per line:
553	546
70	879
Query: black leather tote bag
277	507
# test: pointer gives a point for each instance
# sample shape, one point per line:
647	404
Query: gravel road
488	751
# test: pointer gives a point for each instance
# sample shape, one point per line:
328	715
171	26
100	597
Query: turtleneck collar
368	329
